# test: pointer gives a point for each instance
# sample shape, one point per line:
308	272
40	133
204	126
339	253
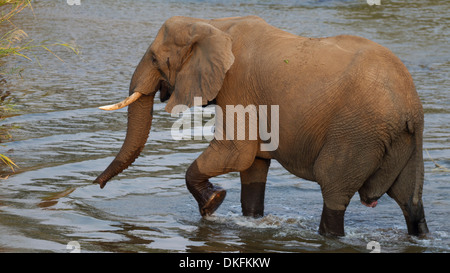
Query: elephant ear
207	59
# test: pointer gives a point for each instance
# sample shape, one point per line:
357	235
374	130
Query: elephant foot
208	196
332	222
418	229
252	199
215	199
415	220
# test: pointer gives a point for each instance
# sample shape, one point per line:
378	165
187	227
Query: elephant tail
417	157
415	126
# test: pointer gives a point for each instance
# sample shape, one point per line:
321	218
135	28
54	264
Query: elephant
349	115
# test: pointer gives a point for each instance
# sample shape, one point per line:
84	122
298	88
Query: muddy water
62	141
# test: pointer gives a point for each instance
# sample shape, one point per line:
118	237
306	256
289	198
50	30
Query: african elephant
349	115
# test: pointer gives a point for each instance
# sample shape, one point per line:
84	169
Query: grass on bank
14	42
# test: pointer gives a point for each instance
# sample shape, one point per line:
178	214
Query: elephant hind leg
331	222
395	158
340	171
407	192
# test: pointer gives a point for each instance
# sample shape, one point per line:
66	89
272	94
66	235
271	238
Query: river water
61	141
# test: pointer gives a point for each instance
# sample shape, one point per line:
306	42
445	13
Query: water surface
62	141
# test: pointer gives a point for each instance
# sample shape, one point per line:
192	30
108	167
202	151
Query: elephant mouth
165	90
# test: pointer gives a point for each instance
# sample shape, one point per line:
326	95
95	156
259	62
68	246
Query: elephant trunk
140	114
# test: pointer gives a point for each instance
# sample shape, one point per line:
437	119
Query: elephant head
188	58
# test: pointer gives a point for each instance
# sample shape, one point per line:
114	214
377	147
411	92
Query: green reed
15	42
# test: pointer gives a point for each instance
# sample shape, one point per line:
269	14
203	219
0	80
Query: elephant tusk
122	104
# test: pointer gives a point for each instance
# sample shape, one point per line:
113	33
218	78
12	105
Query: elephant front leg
220	157
253	186
208	196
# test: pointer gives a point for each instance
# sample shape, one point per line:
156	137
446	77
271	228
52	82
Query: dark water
62	141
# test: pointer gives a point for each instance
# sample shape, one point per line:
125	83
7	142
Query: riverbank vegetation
15	42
